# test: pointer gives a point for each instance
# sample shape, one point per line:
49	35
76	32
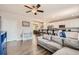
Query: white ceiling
51	11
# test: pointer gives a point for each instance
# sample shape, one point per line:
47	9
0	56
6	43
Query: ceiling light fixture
34	9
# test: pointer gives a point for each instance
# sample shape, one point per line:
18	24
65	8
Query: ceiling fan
34	9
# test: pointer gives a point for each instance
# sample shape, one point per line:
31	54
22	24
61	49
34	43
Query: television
61	26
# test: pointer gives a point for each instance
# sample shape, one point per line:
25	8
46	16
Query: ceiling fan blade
27	6
38	5
40	11
33	6
28	11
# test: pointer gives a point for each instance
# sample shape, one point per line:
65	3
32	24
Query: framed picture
25	24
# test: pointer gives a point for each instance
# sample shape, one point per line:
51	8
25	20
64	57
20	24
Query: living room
30	32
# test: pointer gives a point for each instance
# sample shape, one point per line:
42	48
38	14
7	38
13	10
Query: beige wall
36	25
9	24
12	23
67	23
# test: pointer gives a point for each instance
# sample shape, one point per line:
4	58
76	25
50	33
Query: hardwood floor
25	48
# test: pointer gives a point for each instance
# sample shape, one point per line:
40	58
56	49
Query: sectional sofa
54	45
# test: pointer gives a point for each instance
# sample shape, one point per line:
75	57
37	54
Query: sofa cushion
56	39
72	34
54	45
44	45
46	36
74	43
51	44
67	51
